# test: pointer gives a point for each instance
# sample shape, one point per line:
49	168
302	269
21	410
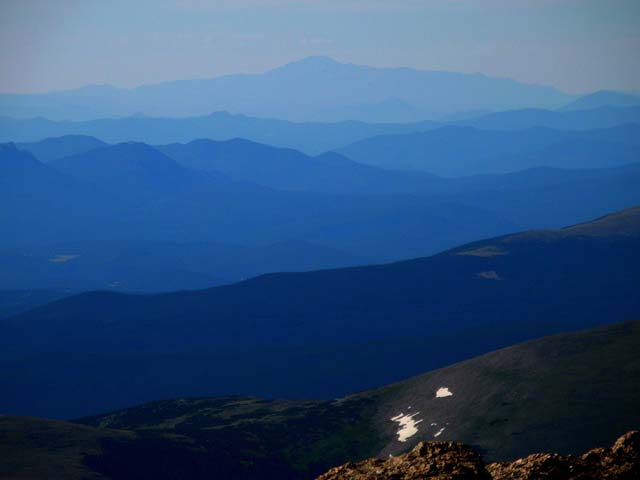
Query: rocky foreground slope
452	461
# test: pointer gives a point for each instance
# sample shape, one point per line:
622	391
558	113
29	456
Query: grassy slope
263	439
13	302
562	393
33	448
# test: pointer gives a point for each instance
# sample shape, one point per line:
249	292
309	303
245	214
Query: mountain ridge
373	213
454	151
311	138
302	83
288	169
396	316
603	98
53	148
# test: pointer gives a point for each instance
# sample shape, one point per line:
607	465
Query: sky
578	46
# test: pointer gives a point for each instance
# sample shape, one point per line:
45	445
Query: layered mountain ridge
312	138
401	318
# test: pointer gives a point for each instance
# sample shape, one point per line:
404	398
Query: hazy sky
576	45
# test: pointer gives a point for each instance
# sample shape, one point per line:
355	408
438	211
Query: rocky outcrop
432	461
620	462
454	461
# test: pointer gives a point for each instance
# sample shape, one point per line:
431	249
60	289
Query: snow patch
490	275
408	426
443	392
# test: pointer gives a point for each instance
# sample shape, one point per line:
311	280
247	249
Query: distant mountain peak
309	64
297	91
603	98
125	153
15	161
94	89
52	148
315	60
9	152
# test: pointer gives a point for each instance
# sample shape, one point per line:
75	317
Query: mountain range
311	89
132	191
312	138
464	151
124	216
564	393
59	147
288	169
603	98
283	335
319	270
